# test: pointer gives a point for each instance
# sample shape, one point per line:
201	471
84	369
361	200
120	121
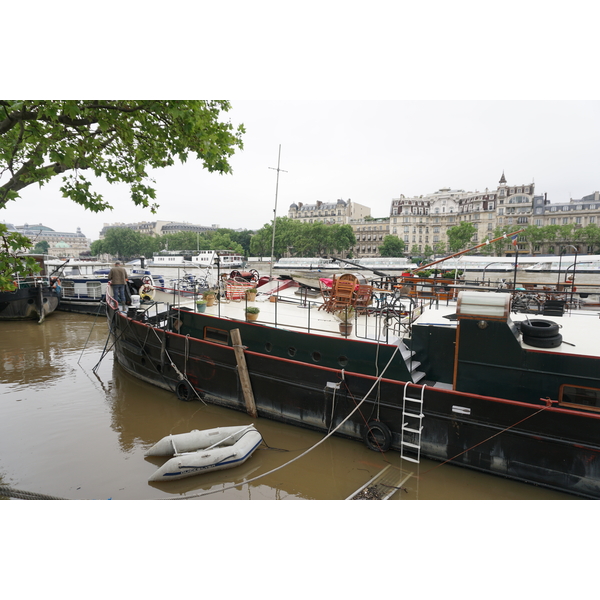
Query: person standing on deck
117	278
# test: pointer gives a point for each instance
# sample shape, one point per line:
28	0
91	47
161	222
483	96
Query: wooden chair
343	295
364	294
327	293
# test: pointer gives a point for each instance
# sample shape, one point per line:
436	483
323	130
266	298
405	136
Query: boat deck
293	312
580	328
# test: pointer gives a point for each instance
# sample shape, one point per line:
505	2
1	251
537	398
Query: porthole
343	361
269	347
292	351
316	356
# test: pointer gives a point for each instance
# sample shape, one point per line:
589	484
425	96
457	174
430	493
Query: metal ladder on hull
412	422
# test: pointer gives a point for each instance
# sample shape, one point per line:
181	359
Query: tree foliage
41	247
12	263
439	248
302	239
128	244
392	246
589	235
460	235
115	139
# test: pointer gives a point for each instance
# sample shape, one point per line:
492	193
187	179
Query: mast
486	243
275	212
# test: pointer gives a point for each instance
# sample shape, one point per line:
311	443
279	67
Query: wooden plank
236	338
383	485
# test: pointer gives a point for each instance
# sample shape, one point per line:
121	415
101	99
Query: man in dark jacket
117	278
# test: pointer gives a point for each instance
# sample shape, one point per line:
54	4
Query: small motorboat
201	451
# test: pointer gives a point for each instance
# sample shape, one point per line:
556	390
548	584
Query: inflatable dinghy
202	451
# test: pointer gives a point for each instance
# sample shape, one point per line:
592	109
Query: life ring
147	291
377	436
184	391
539	328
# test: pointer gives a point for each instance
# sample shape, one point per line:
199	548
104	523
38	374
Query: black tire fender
184	391
543	342
539	328
377	436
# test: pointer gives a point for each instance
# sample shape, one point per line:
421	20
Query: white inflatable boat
201	451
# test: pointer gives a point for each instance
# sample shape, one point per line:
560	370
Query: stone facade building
425	220
158	227
422	221
340	212
60	243
369	234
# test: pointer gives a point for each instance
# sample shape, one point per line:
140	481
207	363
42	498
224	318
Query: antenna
275	211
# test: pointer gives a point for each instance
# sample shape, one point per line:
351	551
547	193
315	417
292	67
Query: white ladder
412	422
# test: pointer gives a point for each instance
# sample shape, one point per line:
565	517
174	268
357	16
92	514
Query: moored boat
35	297
83	285
465	381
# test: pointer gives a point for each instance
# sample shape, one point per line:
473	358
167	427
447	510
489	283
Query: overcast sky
509	90
368	151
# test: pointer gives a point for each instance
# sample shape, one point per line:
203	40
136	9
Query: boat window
94	289
580	396
68	288
221	336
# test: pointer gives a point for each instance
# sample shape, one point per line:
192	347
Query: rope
21	495
487	439
236	485
90	333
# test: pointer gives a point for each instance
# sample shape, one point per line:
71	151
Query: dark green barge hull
322	382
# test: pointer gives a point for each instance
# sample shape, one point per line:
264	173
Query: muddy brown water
70	431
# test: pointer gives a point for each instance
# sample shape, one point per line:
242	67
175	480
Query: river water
74	425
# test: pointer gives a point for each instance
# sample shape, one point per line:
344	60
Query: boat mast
275	212
487	242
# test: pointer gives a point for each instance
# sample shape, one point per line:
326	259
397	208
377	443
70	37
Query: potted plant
454	274
251	294
209	296
201	306
345	317
252	313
